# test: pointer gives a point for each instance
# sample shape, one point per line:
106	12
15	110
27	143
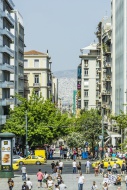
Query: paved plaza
70	180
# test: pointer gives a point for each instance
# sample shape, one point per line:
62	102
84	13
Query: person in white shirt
50	183
94	186
88	166
81	181
62	186
61	166
74	164
23	170
29	184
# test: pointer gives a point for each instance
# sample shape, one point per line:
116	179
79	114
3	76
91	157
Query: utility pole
26	134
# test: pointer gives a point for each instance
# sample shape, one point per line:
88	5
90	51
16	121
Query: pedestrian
114	168
79	167
45	177
50	183
105	186
61	166
39	178
87	166
59	179
102	168
94	186
25	186
126	181
109	168
23	170
81	181
74	164
57	187
29	183
57	166
96	170
10	184
53	165
123	168
62	186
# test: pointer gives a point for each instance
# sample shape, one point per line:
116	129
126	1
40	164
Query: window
86	82
36	79
37	93
36	63
85	63
25	63
86	93
86	104
85	72
97	93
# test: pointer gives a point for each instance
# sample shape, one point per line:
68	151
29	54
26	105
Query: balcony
108	78
21	75
106	50
6	32
99	46
98	58
8	17
78	86
10	2
7	102
8	50
108	64
49	84
3	119
36	85
106	92
6	84
7	67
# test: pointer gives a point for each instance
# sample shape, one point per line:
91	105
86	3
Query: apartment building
88	78
6	56
54	90
37	67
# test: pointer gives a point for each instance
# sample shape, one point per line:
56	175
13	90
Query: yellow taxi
31	159
111	160
15	166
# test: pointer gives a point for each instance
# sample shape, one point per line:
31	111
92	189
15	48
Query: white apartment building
55	90
6	54
119	54
88	78
37	67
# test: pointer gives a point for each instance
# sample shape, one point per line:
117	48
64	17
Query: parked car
16	157
32	159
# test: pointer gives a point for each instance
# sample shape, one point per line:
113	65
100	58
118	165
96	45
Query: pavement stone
70	180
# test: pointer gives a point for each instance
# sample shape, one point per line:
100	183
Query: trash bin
84	155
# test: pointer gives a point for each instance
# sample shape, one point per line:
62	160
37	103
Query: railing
36	84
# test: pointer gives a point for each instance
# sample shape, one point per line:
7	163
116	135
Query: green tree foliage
90	126
121	120
45	122
75	140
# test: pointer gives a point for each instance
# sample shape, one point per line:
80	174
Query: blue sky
61	26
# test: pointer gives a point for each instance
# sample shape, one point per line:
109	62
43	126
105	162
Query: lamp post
26	134
102	133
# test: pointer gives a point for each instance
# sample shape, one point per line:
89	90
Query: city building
55	90
6	58
88	78
74	106
37	67
18	61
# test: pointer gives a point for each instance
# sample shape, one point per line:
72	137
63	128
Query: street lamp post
26	134
102	134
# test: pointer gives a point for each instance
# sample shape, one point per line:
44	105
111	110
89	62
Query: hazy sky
61	26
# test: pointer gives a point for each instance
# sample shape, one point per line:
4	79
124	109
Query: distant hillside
67	82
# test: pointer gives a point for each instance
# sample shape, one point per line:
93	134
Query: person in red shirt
40	178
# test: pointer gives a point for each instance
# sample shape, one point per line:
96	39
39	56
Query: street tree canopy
90	126
75	140
45	122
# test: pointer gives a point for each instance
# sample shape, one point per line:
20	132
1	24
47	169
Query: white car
16	157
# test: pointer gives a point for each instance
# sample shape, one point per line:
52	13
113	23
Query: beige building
37	67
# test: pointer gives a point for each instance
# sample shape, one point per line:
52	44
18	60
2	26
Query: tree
90	125
75	140
45	122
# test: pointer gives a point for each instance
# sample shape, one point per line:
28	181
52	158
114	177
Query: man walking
29	184
39	178
61	166
53	166
74	164
23	170
10	183
62	186
81	181
25	186
87	167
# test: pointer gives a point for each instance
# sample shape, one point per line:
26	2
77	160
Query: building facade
37	67
6	58
88	79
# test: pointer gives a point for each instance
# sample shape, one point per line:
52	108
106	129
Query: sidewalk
70	180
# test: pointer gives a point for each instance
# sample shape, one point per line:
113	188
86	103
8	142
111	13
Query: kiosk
6	155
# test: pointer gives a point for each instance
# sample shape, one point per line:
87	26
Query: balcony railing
6	84
7	15
7	67
6	32
7	50
108	64
36	85
7	101
98	58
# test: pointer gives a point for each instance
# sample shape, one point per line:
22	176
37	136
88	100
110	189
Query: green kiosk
6	153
